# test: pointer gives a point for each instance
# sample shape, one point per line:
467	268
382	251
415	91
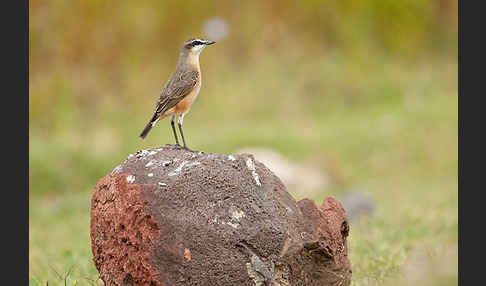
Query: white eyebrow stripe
197	40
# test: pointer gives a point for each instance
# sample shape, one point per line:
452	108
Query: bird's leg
179	122
172	123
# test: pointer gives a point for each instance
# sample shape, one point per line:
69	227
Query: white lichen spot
117	170
150	174
141	153
215	220
234	225
152	153
130	179
130	156
162	184
251	166
231	157
178	169
237	215
150	163
193	164
182	165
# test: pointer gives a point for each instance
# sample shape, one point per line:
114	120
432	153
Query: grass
384	126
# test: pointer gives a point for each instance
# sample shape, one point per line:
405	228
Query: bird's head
195	45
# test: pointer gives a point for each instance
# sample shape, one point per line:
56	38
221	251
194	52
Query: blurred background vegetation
366	90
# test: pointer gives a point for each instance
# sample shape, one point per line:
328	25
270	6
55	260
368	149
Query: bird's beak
207	43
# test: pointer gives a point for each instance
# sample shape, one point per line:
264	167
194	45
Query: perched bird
181	89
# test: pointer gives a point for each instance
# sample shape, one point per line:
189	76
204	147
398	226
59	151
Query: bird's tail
149	126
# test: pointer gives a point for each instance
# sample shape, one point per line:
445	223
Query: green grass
384	126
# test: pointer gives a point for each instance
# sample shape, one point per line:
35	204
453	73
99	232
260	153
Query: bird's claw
176	146
190	150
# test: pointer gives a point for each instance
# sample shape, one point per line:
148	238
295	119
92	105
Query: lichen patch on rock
130	179
251	166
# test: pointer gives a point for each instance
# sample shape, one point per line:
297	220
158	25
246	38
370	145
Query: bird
181	90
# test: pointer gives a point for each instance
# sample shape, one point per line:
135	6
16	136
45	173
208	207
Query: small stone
187	254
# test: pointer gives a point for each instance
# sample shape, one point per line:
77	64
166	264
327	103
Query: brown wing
176	89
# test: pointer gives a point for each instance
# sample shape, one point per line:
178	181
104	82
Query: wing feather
176	89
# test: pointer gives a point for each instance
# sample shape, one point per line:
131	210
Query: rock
303	179
171	217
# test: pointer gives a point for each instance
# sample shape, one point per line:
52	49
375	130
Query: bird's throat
192	61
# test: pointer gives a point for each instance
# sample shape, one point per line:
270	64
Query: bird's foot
175	146
190	150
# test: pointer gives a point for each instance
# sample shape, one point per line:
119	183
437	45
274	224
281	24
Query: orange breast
185	104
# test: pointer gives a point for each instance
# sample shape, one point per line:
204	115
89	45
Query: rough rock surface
171	217
301	178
